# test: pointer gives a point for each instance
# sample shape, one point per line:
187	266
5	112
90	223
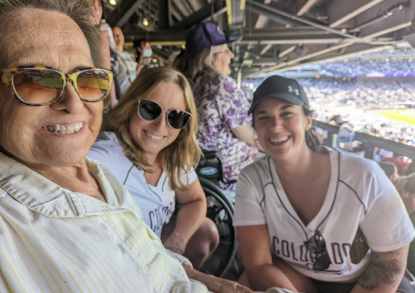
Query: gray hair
194	63
78	10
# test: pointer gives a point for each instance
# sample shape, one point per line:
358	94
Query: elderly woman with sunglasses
312	219
66	223
152	151
224	125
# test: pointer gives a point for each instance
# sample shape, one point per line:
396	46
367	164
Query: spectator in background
144	54
391	171
224	123
127	67
107	41
336	120
398	161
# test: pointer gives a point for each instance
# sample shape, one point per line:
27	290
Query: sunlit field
407	115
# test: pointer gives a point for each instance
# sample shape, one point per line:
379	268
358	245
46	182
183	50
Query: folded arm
215	284
261	271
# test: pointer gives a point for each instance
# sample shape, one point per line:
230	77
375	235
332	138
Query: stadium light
113	2
145	21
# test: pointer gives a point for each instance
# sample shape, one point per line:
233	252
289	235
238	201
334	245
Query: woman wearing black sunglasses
310	218
152	151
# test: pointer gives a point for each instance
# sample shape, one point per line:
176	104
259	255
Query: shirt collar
41	195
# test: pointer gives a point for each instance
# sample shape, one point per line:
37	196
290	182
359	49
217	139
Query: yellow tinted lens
37	86
93	84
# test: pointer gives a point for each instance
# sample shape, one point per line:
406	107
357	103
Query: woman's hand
232	287
215	284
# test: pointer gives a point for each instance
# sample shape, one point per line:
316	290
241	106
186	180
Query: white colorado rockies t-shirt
157	203
359	195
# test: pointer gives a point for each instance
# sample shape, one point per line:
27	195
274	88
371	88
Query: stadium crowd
367	67
359	102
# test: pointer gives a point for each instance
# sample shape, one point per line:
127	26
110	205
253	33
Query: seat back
210	167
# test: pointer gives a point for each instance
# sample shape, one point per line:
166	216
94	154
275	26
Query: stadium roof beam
328	50
197	17
362	49
340	11
266	11
276	13
306	7
287	51
264	37
265	49
125	8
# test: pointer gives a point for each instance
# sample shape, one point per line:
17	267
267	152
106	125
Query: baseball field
407	115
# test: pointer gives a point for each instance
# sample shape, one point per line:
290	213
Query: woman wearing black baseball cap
313	219
224	125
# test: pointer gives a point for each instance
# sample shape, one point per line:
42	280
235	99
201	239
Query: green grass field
407	116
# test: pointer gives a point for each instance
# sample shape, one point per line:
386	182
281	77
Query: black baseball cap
279	87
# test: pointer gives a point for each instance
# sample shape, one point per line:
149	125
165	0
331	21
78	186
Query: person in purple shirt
224	123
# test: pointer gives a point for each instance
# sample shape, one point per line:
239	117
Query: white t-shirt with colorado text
157	203
359	196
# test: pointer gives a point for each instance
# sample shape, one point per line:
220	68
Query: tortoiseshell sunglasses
41	86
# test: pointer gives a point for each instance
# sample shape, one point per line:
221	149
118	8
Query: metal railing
370	143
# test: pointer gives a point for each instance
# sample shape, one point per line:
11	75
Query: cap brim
282	96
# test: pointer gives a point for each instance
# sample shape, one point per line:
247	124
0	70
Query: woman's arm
254	247
191	213
247	134
384	272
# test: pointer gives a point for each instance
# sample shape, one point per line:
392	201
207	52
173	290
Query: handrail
369	141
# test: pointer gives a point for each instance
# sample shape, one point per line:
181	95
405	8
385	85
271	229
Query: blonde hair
181	154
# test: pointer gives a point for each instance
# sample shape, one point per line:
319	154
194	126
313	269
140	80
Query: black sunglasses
149	111
317	247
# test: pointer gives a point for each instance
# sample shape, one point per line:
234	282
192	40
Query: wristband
176	242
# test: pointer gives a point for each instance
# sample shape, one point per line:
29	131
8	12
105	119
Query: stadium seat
220	211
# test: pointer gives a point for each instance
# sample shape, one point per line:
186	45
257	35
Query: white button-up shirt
56	240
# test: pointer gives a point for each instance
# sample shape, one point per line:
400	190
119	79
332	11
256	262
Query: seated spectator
399	163
313	219
224	125
336	120
391	171
404	184
128	69
107	39
67	224
152	152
